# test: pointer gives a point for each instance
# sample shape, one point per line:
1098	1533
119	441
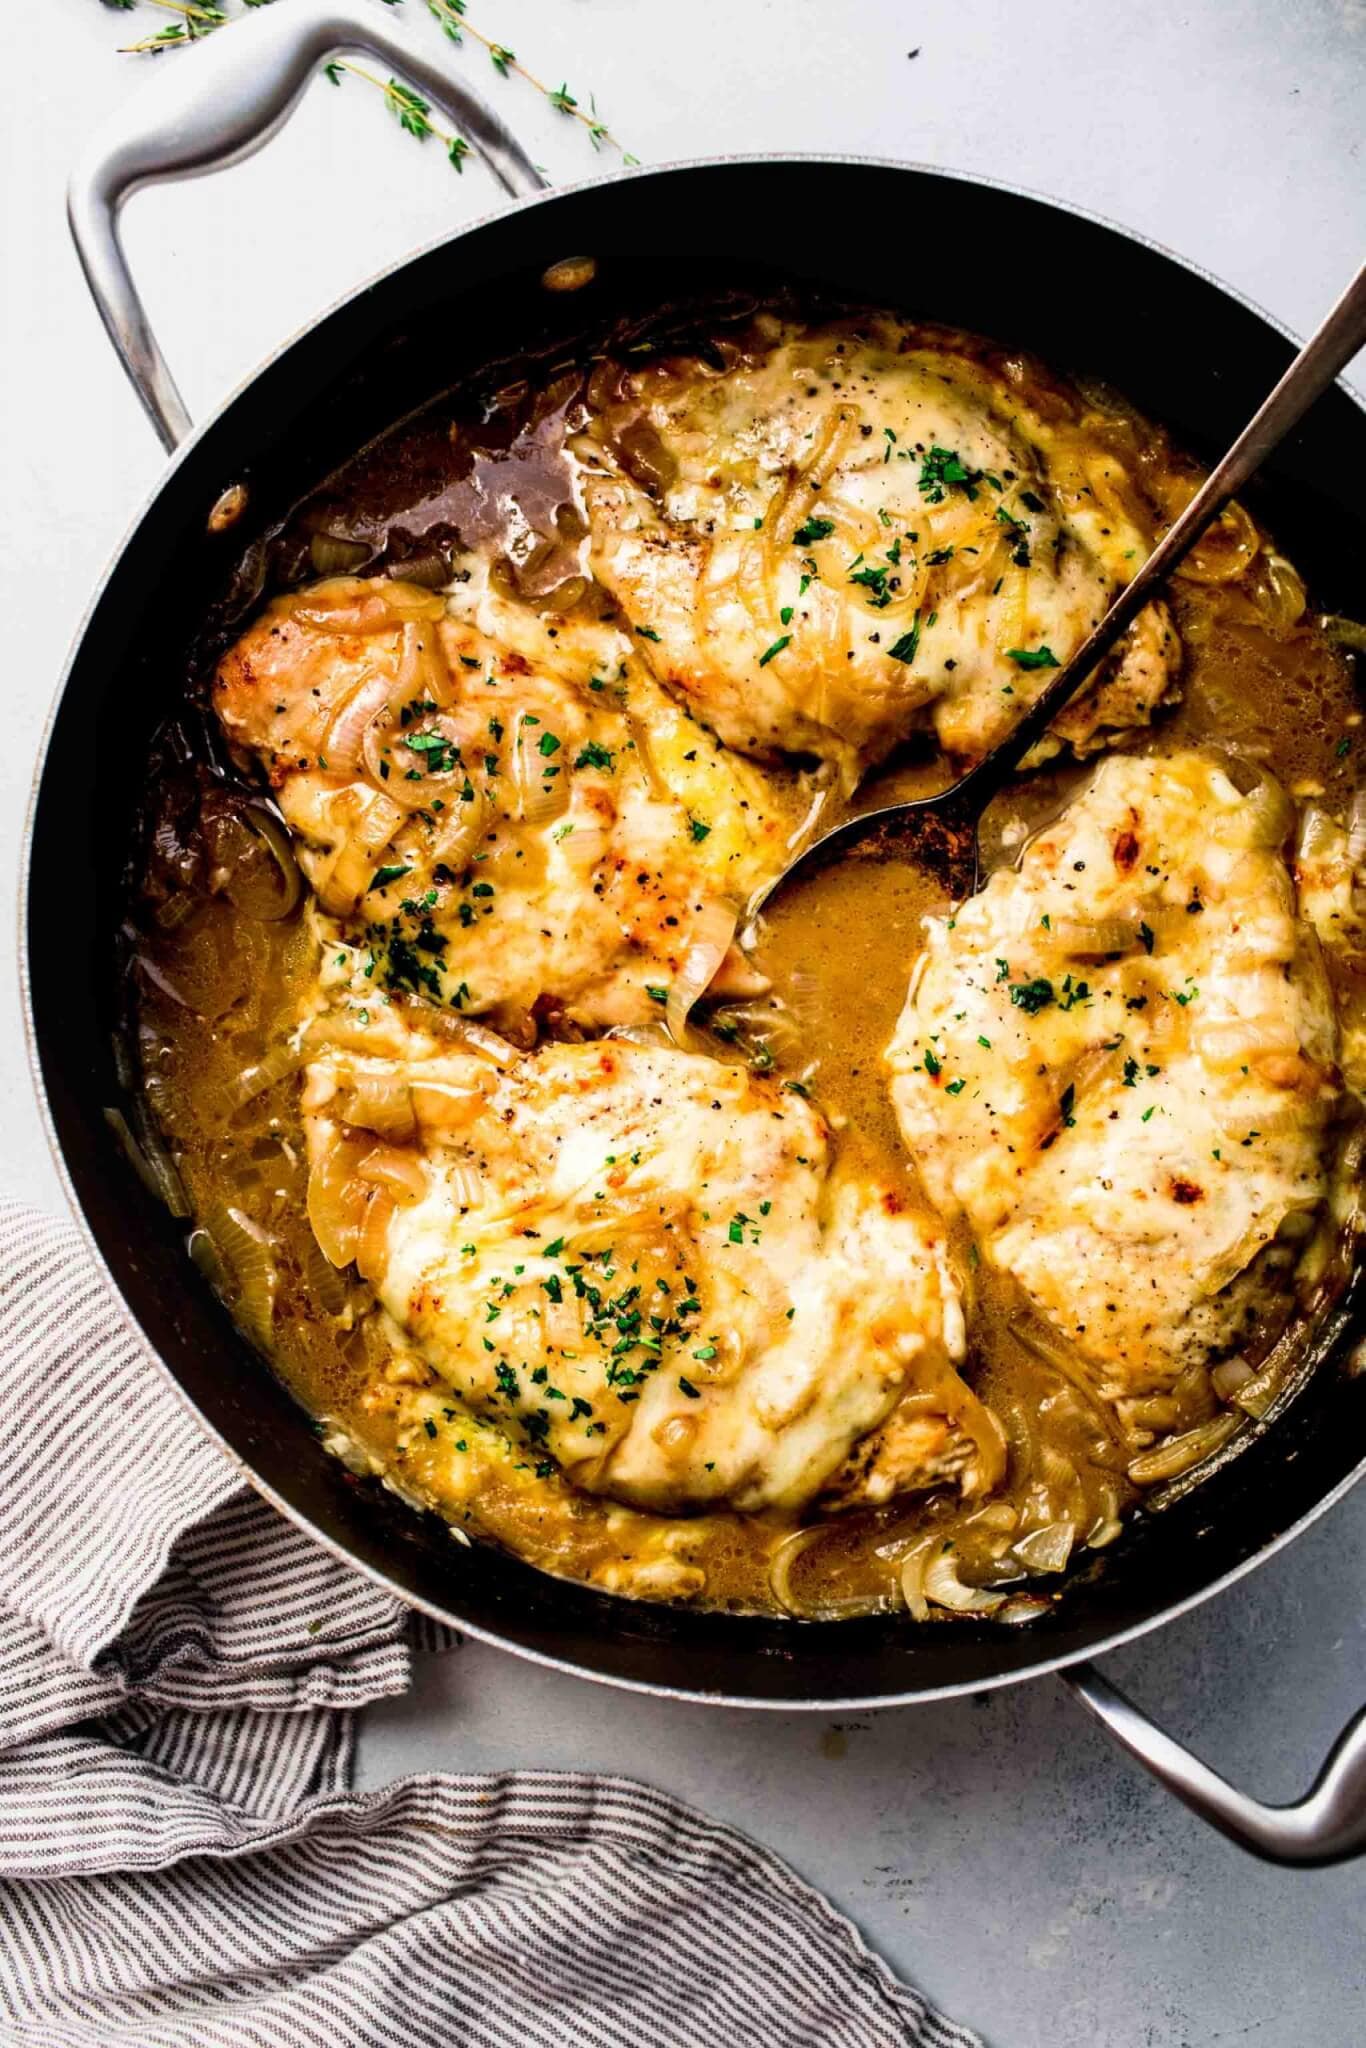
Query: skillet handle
1327	1826
217	105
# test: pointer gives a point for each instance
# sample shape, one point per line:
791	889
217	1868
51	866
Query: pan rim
927	1695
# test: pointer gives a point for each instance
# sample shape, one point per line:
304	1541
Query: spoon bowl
940	833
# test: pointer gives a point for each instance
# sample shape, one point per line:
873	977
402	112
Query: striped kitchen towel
182	1862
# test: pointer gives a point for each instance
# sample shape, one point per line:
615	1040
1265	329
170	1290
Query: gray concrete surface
997	1853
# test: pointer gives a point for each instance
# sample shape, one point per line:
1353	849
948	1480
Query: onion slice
248	1251
372	1248
347	875
401	1173
1047	1549
540	794
346	735
708	943
946	1589
272	1067
1180	1453
1356	828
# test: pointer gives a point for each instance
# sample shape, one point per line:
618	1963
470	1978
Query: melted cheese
641	1263
539	823
847	536
1118	1062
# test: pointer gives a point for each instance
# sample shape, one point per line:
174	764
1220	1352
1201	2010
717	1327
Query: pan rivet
228	508
570	274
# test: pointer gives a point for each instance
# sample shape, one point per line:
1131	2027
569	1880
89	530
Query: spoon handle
1342	333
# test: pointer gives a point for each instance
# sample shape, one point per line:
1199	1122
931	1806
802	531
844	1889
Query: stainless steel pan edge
227	99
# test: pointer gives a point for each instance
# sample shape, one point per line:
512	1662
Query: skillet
1179	345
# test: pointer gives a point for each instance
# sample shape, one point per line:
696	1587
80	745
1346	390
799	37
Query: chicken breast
638	1261
1118	1061
847	534
505	811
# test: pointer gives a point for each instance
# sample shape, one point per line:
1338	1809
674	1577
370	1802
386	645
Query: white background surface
997	1853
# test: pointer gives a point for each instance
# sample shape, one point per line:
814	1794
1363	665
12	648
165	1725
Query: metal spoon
940	832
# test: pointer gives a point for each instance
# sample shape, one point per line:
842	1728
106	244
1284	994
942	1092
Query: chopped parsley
784	640
941	470
904	648
812	530
1032	657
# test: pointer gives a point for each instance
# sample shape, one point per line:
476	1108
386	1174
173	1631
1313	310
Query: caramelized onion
252	859
348	873
204	1254
1356	828
1266	812
913	1568
1229	1375
481	1040
1180	1453
583	846
1318	837
372	1244
1047	1549
410	600
345	605
336	1201
429	570
346	735
378	1101
1228	546
324	1283
331	555
248	1252
273	1066
946	1589
1096	939
708	943
466	1185
1280	598
444	1105
780	1583
539	796
1344	632
401	1173
462	825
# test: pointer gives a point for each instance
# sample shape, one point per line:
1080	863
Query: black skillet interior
1079	294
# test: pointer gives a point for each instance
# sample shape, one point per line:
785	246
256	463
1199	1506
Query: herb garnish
1032	657
1031	996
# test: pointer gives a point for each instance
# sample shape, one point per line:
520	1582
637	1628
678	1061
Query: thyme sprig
199	18
409	109
456	25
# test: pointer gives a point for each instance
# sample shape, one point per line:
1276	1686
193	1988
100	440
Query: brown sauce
216	987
